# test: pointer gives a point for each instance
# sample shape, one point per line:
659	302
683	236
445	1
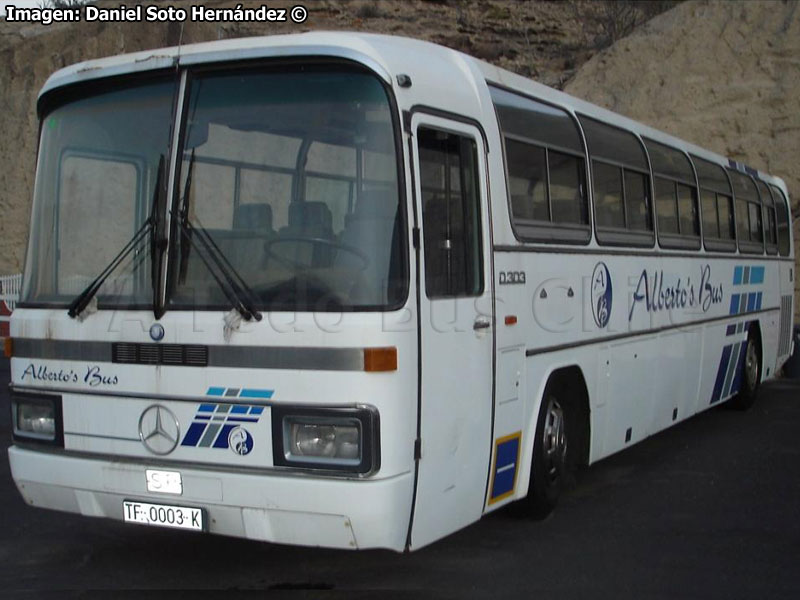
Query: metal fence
9	295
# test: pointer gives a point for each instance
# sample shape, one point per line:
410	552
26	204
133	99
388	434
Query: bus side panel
787	282
657	374
535	373
770	322
678	369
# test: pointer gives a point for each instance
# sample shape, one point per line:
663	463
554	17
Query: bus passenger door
456	326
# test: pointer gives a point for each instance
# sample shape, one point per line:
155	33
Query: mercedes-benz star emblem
159	429
157	332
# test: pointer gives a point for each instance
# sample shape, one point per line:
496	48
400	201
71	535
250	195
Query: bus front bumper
286	509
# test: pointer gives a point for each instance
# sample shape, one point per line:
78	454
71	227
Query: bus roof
387	56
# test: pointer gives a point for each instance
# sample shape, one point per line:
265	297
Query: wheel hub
554	440
751	365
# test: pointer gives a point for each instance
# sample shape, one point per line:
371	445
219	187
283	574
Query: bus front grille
160	354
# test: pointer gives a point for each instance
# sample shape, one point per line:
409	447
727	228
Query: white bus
356	291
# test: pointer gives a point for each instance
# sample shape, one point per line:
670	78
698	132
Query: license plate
163	515
164	482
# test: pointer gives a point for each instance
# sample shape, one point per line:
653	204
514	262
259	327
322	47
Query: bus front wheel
550	451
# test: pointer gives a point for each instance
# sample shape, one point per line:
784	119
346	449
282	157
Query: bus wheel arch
753	370
561	438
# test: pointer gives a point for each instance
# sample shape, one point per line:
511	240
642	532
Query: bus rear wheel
550	452
751	374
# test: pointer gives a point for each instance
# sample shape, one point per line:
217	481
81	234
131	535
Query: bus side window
676	198
450	214
783	220
748	213
545	170
719	228
623	215
768	215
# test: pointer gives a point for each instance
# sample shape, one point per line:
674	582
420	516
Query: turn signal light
8	347
380	359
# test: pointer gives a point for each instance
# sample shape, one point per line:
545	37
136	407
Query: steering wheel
313	241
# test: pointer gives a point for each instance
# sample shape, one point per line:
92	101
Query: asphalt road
708	509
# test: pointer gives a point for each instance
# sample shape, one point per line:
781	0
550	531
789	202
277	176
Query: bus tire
550	461
751	375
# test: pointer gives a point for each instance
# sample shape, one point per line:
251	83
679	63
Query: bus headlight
333	439
36	418
328	440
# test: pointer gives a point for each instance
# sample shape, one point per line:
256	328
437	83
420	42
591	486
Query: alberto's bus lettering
462	283
657	296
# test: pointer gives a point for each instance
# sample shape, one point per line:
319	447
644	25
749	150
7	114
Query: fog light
324	439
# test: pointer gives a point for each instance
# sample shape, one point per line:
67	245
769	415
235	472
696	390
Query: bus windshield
293	176
286	182
99	157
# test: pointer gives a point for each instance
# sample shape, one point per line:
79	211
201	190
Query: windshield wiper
79	304
158	238
234	287
82	300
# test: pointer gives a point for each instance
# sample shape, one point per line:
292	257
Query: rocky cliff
724	75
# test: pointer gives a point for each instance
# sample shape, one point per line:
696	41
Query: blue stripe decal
756	275
751	302
215	391
256	393
193	435
737	378
222	436
734	304
734	361
721	371
213	423
737	275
